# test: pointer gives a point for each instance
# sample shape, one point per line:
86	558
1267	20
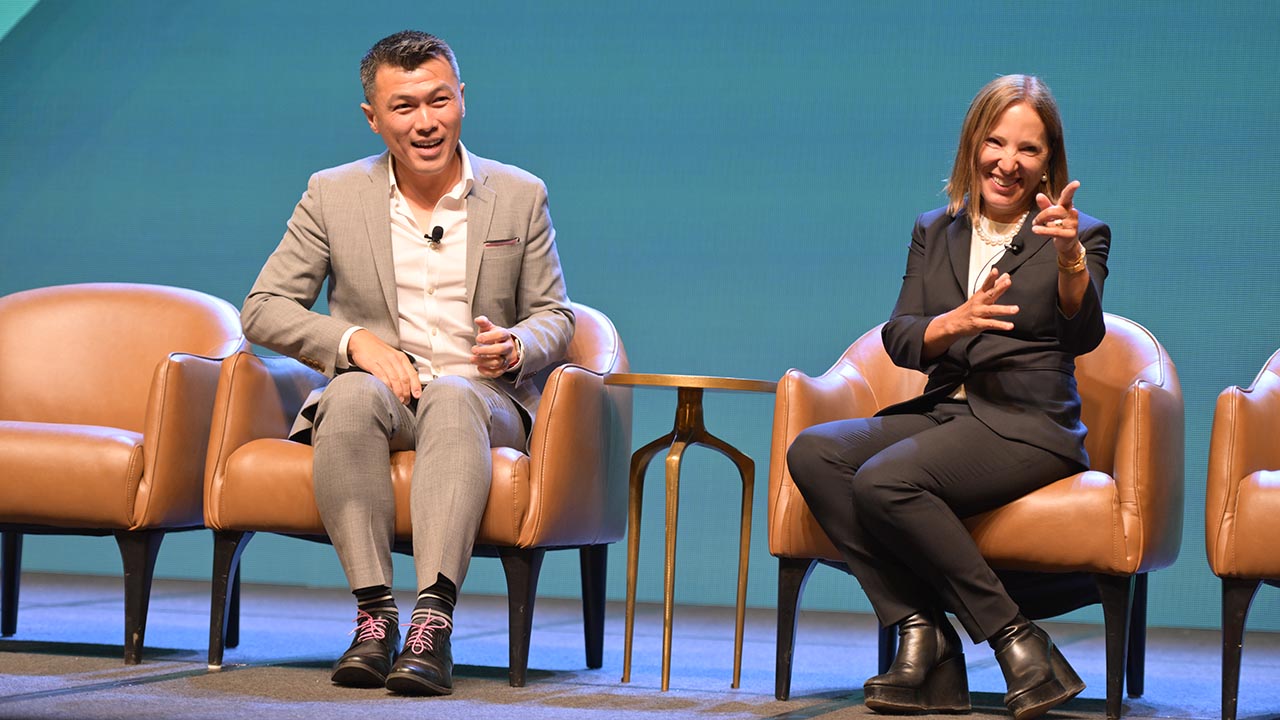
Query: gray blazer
341	232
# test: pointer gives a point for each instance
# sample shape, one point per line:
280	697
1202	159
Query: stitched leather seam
784	401
221	463
1232	474
550	404
155	444
1136	460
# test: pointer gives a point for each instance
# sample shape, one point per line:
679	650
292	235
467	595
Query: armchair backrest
595	345
85	354
867	363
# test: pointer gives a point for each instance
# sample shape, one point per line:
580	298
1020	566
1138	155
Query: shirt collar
459	190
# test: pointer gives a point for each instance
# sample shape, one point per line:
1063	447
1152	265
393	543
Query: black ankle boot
1037	675
368	660
927	674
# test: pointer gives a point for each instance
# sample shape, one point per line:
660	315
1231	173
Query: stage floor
65	662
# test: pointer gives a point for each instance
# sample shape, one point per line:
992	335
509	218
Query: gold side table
688	430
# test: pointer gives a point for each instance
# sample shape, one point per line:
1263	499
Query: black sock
440	597
376	598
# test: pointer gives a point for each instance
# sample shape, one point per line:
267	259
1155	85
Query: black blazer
1020	383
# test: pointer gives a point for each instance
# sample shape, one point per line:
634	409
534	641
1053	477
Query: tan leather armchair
106	391
1123	517
568	491
1242	501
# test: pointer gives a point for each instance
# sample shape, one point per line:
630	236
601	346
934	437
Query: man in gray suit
445	298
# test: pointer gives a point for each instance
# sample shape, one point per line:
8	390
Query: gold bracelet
1075	266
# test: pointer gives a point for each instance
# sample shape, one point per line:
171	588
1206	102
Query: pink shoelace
370	627
421	635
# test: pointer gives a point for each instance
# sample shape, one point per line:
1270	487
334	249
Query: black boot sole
357	674
945	690
1064	685
409	683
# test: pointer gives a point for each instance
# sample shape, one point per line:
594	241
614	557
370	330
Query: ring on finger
1057	223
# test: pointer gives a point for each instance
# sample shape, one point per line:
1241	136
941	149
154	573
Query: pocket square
503	241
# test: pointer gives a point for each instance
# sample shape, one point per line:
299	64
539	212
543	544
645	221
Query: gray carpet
65	662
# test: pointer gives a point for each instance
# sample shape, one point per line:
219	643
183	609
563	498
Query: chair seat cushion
43	461
1039	531
267	487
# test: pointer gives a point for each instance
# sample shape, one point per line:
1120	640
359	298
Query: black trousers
890	492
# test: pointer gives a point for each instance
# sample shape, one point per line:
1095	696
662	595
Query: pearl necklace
997	240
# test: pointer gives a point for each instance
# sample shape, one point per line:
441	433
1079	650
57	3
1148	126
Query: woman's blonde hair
984	112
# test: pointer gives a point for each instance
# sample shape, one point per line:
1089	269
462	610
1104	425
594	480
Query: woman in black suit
1002	291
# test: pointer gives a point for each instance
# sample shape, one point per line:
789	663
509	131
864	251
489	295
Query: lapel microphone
437	232
1014	246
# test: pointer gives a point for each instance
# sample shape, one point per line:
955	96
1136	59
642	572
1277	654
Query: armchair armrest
257	397
803	401
577	460
175	435
1243	442
1148	470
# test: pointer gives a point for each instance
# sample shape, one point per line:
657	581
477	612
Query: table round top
704	382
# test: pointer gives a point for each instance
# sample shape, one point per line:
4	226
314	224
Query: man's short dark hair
406	50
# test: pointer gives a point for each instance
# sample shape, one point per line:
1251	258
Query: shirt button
431	291
433	332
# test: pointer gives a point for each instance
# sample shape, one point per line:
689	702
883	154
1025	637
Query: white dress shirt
435	323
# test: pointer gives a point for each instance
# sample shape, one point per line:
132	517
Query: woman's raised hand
980	312
1059	219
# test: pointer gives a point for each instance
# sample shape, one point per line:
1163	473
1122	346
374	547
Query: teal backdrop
733	183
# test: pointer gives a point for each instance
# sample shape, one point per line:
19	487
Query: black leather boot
368	660
927	674
1037	675
425	665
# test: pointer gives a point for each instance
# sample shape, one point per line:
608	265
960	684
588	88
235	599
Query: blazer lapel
959	234
1030	242
480	203
375	198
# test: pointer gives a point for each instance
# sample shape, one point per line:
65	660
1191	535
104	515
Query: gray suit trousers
452	427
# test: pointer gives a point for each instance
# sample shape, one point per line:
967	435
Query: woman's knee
809	455
878	485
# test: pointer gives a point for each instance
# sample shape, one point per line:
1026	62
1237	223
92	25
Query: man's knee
449	397
351	399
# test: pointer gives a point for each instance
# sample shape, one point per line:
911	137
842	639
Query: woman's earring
1044	178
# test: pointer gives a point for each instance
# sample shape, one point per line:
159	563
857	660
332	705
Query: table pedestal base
689	430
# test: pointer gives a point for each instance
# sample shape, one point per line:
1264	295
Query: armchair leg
224	603
1137	668
1237	596
793	573
521	566
1117	597
10	575
594	562
231	638
138	551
